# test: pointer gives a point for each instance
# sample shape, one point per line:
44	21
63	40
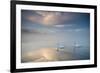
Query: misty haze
54	36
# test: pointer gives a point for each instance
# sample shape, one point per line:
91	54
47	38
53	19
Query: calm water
31	42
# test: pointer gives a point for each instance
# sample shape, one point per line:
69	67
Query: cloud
34	19
78	30
49	18
59	26
75	30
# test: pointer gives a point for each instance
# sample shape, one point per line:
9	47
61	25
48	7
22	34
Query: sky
51	27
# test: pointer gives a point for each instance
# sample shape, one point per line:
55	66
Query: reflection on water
51	54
